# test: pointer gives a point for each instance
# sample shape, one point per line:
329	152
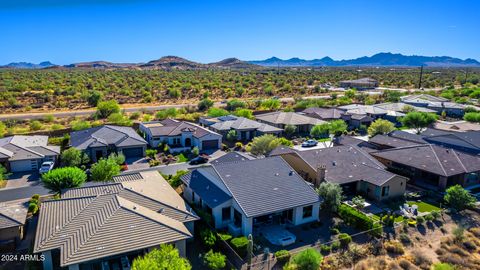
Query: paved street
13	194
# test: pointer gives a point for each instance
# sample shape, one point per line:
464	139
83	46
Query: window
307	211
385	191
237	218
226	214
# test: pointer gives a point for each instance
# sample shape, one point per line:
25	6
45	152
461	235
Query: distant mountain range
380	59
178	63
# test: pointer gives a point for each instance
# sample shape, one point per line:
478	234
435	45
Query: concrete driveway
320	145
23	179
137	163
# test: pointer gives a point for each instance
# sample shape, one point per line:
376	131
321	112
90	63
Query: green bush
106	108
214	260
354	217
345	239
335	245
36	197
420	220
151	153
225	236
435	214
443	266
325	249
282	255
240	244
61	178
334	231
308	259
33	208
208	237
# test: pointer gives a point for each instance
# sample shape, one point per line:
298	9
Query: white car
309	143
46	167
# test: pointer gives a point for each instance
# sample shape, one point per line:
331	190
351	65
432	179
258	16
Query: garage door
211	144
23	165
133	152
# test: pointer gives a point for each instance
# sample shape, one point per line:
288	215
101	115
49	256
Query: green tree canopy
380	126
164	258
61	178
459	198
418	120
105	169
337	127
244	113
290	130
217	112
332	195
320	131
232	135
72	157
214	260
106	108
264	144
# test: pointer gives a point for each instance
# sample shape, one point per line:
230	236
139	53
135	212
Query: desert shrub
308	259
151	153
344	239
458	234
420	220
394	247
240	245
429	217
421	260
214	260
406	265
435	214
282	255
469	245
405	239
325	249
475	231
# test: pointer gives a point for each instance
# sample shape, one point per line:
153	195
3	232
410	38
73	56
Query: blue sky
207	31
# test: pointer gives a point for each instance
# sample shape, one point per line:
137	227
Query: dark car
198	160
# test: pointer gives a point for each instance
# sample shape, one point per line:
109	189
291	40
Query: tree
72	157
337	127
195	151
205	104
119	119
3	173
284	141
164	114
217	112
459	198
290	130
61	178
94	97
332	195
418	120
308	259
358	202
244	113
232	135
380	126
320	131
105	169
234	104
106	108
3	129
214	260
264	144
119	158
164	258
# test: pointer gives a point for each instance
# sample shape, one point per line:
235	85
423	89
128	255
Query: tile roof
431	158
104	136
400	107
264	186
385	140
21	147
233	157
242	123
12	215
139	211
324	113
346	164
468	139
458	126
171	127
288	118
89	228
422	96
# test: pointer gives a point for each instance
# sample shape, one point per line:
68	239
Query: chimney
320	174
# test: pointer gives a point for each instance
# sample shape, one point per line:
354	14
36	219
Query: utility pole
421	75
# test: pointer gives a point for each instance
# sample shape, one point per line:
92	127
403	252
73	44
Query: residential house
245	128
326	114
359	84
180	135
396	138
280	120
468	141
244	195
26	153
12	219
432	166
457	126
101	141
349	166
107	223
233	156
438	104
